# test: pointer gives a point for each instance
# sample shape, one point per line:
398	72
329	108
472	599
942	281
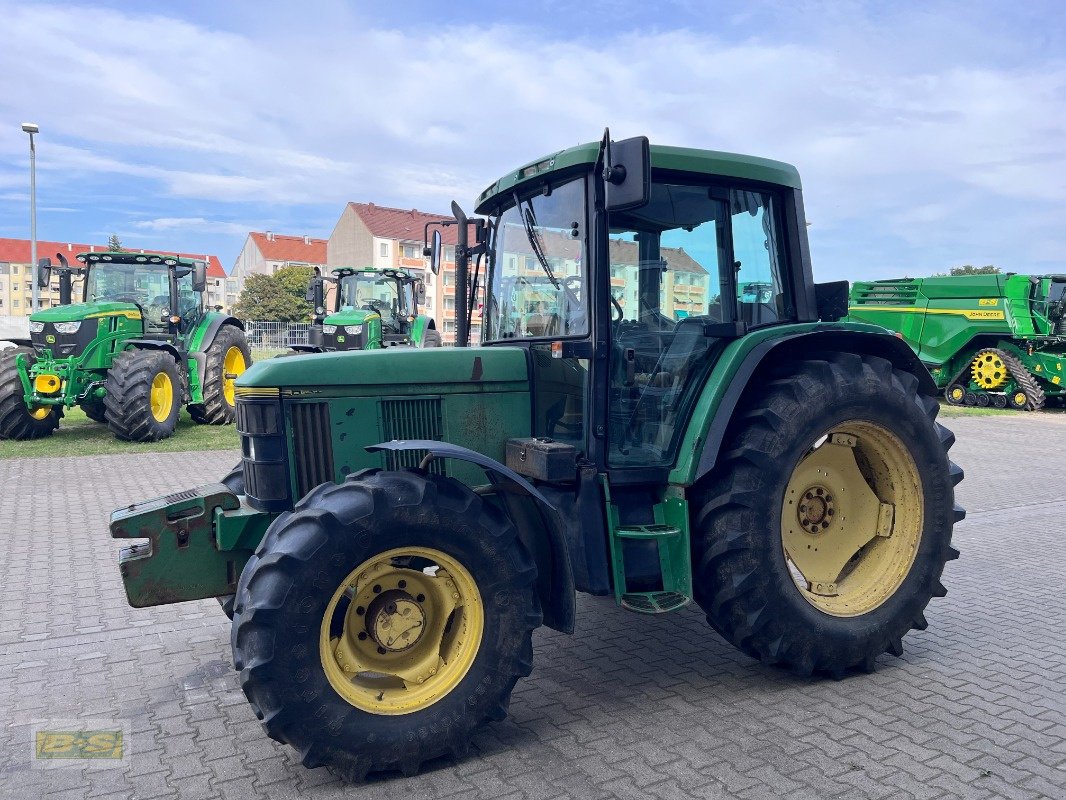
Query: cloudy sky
928	134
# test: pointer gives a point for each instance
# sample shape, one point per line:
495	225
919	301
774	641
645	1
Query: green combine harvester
402	521
988	340
372	308
138	347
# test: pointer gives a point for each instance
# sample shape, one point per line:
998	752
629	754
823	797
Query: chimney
307	240
270	236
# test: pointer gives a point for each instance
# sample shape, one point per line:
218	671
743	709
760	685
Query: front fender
557	589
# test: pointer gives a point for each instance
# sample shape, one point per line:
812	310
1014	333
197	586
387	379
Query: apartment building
16	273
371	235
266	252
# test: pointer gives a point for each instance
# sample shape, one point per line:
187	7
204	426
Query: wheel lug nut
360	611
362	636
377	588
402	584
381	651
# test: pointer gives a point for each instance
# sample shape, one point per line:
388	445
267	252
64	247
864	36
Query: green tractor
138	346
372	308
401	523
988	340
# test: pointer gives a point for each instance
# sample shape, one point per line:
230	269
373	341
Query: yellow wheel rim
401	631
162	397
232	367
1020	399
41	412
957	393
989	371
852	519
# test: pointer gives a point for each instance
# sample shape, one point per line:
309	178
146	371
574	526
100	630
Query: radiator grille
411	418
312	445
885	293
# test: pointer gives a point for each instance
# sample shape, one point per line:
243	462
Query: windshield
373	292
538	281
147	285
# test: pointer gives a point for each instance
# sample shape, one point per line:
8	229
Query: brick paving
629	707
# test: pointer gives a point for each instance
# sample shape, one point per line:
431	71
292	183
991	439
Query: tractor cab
371	308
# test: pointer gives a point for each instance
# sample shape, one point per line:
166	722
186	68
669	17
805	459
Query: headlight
68	327
353	329
36	327
329	329
320	310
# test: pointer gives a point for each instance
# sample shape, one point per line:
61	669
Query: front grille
886	293
266	470
312	445
411	418
65	345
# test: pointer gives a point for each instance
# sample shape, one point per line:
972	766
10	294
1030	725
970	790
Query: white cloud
905	132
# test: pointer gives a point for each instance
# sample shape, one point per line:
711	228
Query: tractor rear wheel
227	357
17	421
384	620
431	338
823	534
144	392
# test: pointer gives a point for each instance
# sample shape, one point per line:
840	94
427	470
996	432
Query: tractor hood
350	316
80	311
476	368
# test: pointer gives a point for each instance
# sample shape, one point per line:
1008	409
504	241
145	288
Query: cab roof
388	272
127	257
683	159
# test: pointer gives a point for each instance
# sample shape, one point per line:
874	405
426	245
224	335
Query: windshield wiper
529	219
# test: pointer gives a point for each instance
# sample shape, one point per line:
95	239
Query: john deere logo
340	338
50	339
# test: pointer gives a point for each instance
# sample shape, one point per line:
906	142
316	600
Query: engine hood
79	311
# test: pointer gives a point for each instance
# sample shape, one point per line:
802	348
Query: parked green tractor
138	347
403	521
372	308
988	340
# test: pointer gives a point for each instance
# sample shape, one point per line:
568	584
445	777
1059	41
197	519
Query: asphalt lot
629	707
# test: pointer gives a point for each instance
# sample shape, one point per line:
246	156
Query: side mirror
44	272
434	253
627	173
420	291
309	295
199	276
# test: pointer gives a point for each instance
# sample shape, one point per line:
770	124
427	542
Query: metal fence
268	339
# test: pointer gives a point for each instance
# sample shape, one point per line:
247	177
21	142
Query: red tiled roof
290	248
18	251
398	223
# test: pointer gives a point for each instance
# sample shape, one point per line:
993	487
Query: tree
970	269
114	243
275	298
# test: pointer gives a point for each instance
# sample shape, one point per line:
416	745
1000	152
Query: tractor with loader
137	347
371	309
988	340
401	523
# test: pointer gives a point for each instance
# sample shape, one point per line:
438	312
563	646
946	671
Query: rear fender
538	522
19	342
797	346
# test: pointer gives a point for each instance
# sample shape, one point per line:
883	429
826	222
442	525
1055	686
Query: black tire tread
129	413
15	420
215	410
264	597
731	585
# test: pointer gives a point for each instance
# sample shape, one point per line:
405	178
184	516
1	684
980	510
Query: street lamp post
32	128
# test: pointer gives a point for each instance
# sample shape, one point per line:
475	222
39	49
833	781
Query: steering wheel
375	305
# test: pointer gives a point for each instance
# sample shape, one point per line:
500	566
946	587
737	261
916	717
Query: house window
449	253
384	249
449	304
448	278
231	286
14	269
449	326
15	303
410	251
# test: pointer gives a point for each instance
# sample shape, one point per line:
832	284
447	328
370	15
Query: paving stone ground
629	707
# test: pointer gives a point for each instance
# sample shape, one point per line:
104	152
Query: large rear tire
227	357
95	410
355	650
144	392
823	533
16	420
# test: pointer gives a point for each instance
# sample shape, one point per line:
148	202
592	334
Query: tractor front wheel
227	357
17	421
95	410
144	392
431	338
384	620
823	534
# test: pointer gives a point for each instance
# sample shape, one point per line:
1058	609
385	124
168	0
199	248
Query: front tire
227	358
16	420
822	535
144	391
431	338
355	650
